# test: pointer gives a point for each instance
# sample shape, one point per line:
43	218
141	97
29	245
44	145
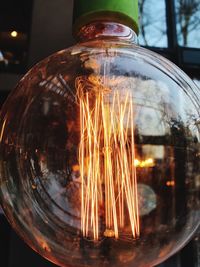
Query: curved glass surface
99	156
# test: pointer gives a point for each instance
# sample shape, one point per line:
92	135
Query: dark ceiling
15	15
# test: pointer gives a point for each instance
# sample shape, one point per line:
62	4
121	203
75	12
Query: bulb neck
105	30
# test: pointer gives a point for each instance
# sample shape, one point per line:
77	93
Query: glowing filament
107	162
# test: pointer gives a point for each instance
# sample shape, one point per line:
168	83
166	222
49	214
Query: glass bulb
99	156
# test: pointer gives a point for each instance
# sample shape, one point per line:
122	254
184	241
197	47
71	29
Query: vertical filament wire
106	159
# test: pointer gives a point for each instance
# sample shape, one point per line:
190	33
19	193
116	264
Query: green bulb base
118	11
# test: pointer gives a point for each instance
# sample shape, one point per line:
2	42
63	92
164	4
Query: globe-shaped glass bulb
99	156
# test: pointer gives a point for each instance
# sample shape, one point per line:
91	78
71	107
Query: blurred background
33	29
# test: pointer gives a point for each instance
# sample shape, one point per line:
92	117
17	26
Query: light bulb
14	34
100	154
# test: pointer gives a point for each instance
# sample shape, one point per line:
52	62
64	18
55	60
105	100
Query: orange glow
106	159
75	168
43	243
2	130
170	183
144	163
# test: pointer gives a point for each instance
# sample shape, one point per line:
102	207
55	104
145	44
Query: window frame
186	58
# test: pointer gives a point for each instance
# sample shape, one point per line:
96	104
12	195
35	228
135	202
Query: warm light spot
109	233
76	168
46	247
149	161
170	183
136	163
107	160
43	244
14	34
144	163
34	186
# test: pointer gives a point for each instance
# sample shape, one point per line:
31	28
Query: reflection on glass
13	51
197	248
146	198
188	22
197	81
1	56
152	23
